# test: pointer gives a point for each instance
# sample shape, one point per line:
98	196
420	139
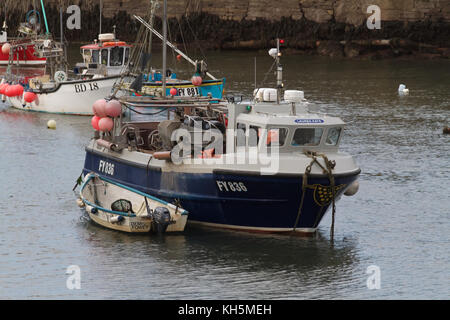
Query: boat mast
101	5
279	72
170	44
45	17
35	27
164	53
61	29
154	6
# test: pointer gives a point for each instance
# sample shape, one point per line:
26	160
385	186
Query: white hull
134	224
71	97
24	63
104	194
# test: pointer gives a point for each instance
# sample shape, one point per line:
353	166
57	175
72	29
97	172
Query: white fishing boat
93	79
122	208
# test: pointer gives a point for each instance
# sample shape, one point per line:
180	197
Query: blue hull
270	203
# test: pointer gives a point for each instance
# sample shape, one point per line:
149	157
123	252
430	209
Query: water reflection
238	263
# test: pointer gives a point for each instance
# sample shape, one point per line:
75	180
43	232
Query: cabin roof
98	46
280	115
308	120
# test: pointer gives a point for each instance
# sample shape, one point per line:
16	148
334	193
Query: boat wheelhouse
108	56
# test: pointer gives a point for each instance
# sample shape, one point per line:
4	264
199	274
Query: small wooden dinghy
119	207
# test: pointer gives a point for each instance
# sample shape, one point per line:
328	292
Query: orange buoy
162	155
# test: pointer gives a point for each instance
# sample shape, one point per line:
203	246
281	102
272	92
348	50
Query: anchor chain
328	170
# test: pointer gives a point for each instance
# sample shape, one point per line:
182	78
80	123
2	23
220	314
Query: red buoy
19	90
29	96
6	48
113	108
94	122
99	108
105	124
3	87
10	91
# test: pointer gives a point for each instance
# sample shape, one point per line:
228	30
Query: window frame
121	51
341	129
308	145
286	136
236	146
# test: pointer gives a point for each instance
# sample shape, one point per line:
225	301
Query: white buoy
402	90
51	124
352	189
80	203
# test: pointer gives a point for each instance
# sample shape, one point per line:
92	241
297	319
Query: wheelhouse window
95	58
105	57
253	136
307	137
333	136
276	134
116	57
240	134
127	56
86	55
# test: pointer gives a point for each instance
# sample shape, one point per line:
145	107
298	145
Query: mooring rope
328	170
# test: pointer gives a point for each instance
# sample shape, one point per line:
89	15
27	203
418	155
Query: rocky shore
409	28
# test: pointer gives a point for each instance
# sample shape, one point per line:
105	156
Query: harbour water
399	220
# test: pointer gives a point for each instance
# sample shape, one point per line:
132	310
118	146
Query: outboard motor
161	219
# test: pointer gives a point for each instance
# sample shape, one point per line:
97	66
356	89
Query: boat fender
109	145
116	219
80	203
352	189
161	219
162	155
94	211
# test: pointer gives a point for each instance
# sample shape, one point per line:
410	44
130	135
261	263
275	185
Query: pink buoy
196	80
6	48
113	108
105	124
28	96
173	91
94	122
99	108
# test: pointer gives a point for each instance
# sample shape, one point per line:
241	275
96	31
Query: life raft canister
114	44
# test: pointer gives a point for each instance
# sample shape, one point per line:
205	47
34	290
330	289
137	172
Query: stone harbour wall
335	28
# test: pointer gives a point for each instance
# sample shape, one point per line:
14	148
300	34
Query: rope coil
328	170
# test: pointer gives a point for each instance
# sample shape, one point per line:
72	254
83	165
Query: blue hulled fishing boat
268	165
